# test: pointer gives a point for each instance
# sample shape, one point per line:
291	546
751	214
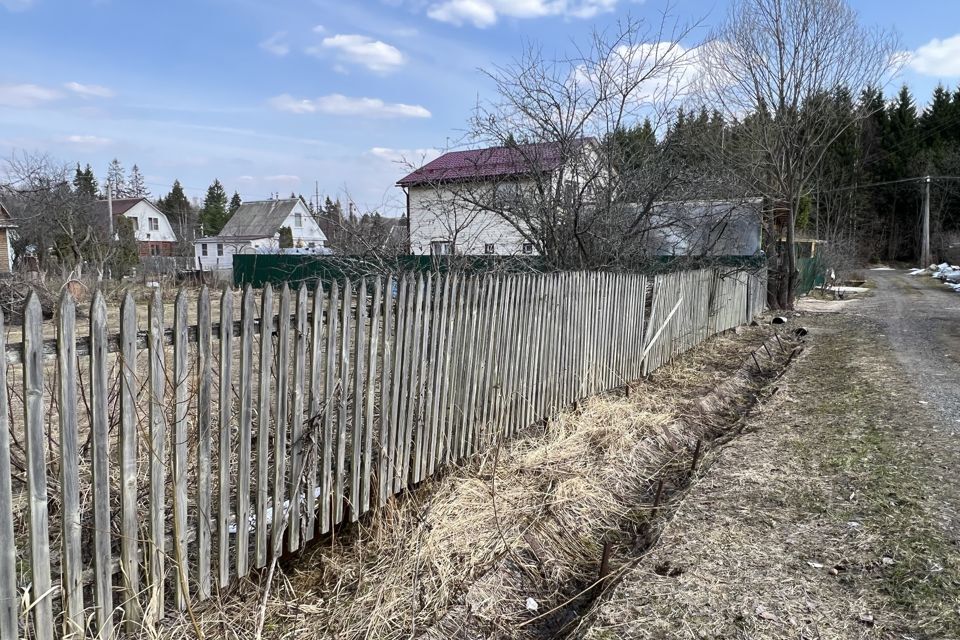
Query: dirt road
835	514
921	320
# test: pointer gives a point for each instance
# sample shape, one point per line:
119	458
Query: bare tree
772	67
64	227
579	135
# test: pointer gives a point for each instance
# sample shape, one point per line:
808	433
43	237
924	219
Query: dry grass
460	555
825	520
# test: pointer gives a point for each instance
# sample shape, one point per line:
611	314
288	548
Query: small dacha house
454	202
151	228
255	228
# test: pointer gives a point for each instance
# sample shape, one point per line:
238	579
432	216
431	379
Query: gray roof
260	219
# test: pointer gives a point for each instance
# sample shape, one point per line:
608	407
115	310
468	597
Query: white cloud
26	95
276	44
937	58
485	13
319	29
361	50
340	105
88	141
90	90
410	157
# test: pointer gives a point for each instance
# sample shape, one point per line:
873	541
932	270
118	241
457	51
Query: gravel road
921	320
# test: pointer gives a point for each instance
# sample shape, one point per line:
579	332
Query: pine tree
85	183
235	203
214	213
117	179
137	188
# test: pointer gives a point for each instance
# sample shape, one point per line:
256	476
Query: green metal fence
258	270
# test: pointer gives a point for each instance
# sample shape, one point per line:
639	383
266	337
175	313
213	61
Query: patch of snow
845	289
883	268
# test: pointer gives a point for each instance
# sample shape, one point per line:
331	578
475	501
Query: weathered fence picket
342	401
71	568
9	599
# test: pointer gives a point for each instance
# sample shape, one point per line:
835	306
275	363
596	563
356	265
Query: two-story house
151	228
255	228
462	202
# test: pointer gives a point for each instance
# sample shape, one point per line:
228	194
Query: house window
489	248
312	245
528	248
136	223
440	248
203	250
219	249
298	220
154	250
154	224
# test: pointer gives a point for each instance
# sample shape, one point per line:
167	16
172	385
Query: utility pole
316	199
925	240
110	208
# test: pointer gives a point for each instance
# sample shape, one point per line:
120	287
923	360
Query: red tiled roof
488	163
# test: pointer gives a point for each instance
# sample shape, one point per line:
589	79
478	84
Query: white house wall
142	212
308	232
439	214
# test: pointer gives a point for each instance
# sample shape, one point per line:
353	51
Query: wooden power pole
925	240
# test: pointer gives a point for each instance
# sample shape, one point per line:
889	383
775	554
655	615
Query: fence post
9	599
370	409
326	473
357	438
158	457
129	512
317	406
100	433
180	448
204	404
281	422
296	419
33	416
338	493
71	567
263	427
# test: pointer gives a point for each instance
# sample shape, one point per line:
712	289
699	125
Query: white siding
213	260
438	214
308	230
142	213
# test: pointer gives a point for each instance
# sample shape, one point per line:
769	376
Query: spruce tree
214	213
137	188
117	179
85	183
235	203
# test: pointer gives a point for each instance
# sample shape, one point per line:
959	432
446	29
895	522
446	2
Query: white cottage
154	234
454	202
255	228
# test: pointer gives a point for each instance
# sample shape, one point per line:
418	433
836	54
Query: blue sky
272	96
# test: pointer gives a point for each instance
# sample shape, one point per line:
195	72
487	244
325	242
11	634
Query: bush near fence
150	465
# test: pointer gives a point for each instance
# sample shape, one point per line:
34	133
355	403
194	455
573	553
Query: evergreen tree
85	183
214	213
235	203
136	187
117	179
180	212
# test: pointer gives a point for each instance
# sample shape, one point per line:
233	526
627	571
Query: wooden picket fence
147	468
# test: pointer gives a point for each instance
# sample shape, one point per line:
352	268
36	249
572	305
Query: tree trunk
790	281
